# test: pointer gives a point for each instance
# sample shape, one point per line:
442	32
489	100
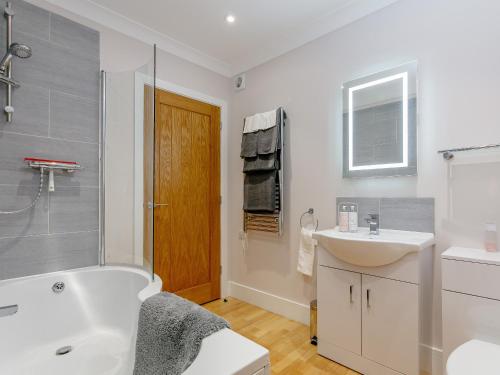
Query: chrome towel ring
309	212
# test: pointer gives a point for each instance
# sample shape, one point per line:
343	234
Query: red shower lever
70	164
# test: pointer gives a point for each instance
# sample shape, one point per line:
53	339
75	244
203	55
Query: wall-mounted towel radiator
271	222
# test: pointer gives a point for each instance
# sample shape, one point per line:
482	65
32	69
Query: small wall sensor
240	82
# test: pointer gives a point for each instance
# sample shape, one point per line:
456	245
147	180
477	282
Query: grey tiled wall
56	117
414	214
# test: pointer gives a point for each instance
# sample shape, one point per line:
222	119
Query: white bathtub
96	314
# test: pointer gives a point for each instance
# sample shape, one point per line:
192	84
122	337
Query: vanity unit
370	293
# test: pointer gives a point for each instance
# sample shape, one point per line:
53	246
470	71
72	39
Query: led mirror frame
404	164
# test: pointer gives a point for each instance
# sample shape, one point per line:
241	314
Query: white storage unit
369	317
471	297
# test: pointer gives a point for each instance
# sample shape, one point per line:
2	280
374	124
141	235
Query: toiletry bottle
353	219
490	237
343	219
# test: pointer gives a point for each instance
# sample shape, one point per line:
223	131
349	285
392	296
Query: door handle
368	298
351	287
154	205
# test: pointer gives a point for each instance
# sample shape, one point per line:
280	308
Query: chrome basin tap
374	223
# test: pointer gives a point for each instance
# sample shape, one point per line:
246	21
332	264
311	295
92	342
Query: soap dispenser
353	219
343	218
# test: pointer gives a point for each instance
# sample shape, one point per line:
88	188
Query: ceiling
196	29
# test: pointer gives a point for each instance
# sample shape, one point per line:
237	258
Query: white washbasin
363	249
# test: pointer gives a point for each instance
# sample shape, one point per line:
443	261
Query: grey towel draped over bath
170	333
261	150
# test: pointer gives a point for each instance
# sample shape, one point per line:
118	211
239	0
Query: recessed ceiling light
230	18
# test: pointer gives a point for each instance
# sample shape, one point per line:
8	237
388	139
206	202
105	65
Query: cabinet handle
368	298
351	287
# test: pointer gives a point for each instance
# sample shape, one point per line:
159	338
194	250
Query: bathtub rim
152	287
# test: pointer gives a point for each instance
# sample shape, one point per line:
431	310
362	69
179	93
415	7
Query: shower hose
32	204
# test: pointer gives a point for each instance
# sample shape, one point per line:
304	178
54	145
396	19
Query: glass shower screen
128	166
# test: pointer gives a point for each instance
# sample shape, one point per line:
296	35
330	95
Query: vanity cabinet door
339	308
390	323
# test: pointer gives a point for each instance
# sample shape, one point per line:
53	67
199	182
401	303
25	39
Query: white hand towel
260	121
306	252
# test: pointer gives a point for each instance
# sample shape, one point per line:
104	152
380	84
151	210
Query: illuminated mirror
379	122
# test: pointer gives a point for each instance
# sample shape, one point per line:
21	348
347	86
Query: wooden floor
287	341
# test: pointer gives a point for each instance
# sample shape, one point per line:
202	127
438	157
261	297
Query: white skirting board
278	305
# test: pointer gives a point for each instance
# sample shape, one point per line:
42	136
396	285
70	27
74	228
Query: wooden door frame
141	80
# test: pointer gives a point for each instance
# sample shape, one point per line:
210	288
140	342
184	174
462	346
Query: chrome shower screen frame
109	97
102	180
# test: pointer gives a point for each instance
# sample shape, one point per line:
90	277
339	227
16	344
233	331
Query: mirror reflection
380	124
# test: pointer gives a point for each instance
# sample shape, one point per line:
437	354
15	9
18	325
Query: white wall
454	42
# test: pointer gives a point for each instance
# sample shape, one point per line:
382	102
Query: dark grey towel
261	163
262	142
270	139
267	140
170	333
249	145
260	192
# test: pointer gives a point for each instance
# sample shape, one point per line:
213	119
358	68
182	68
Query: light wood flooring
287	341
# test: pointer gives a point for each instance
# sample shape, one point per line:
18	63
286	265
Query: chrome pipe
59	166
9	14
102	171
448	154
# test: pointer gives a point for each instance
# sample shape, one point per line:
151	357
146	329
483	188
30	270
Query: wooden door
391	323
187	197
339	309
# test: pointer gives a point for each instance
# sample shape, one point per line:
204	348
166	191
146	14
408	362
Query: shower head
19	50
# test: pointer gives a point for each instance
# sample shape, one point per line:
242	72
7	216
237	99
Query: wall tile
87	154
56	117
14	147
29	19
32	221
415	214
31	105
23	256
80	39
81	123
74	209
365	206
58	68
